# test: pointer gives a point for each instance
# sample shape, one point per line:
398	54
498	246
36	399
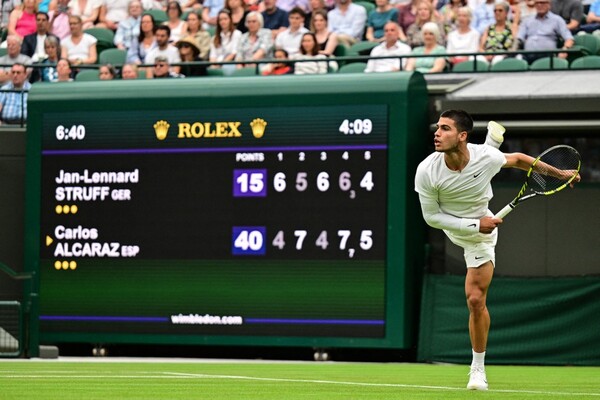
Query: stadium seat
116	57
3	51
246	71
543	64
105	38
159	16
509	64
367	5
587	62
471	66
589	42
87	75
362	48
214	72
353	67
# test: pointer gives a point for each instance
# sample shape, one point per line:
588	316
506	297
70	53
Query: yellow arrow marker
48	240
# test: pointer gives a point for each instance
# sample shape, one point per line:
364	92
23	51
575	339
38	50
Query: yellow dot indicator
73	264
58	209
57	265
65	265
66	209
74	209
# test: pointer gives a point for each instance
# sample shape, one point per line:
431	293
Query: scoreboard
249	211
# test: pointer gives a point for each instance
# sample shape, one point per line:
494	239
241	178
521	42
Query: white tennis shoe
495	134
477	380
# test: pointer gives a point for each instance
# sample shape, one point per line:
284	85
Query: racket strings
555	168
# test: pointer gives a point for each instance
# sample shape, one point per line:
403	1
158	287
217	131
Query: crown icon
161	128
258	126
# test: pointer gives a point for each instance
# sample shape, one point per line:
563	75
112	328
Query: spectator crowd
57	36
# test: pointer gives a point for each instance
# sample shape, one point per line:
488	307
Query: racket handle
504	212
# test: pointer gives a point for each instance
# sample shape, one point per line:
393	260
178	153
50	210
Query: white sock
491	142
478	359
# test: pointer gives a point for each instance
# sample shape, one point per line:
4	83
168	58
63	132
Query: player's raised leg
476	287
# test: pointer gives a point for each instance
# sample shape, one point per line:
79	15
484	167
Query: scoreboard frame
404	96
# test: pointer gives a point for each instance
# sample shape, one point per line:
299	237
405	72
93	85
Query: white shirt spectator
116	10
80	50
229	45
290	41
351	23
388	64
457	42
171	52
310	67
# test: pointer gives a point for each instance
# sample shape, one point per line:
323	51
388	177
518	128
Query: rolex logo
258	126
161	128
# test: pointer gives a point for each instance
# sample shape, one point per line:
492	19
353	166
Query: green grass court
194	379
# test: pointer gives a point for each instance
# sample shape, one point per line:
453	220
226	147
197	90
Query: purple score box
249	183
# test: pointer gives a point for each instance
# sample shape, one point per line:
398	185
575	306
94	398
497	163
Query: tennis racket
550	173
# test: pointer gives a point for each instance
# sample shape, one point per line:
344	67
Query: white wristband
468	225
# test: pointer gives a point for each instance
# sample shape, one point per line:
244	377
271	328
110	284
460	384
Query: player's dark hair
461	118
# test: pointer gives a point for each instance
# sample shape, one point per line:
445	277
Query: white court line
178	375
400	385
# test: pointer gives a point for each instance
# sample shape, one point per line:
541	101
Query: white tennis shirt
455	200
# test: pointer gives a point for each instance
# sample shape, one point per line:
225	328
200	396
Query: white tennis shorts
478	248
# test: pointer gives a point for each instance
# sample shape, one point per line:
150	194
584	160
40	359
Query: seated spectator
112	12
279	68
498	36
22	19
288	5
224	44
348	21
163	48
290	39
592	20
543	32
257	43
377	19
326	39
7	7
314	6
129	71
483	15
210	11
144	42
64	71
414	32
12	56
407	14
464	39
107	72
431	34
13	105
33	44
274	18
88	10
391	46
449	14
570	10
202	37
177	25
309	50
162	69
59	19
190	52
238	13
129	29
80	46
53	53
526	10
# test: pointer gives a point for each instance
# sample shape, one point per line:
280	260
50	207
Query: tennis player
454	189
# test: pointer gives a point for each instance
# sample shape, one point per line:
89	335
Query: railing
24	318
